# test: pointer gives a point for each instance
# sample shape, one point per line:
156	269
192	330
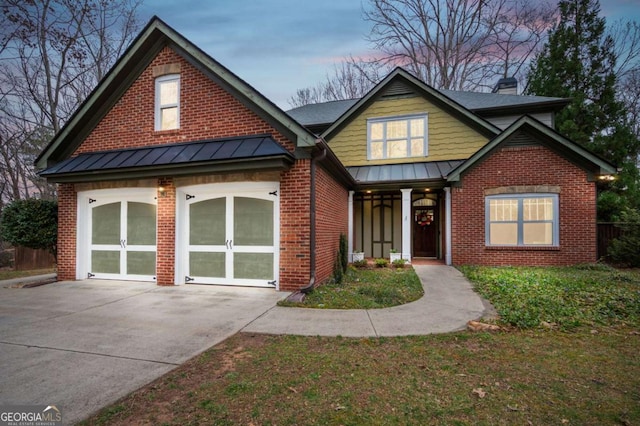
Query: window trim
555	236
159	107
385	120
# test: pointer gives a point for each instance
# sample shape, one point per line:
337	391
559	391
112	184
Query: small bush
624	250
381	262
344	252
31	223
361	263
399	263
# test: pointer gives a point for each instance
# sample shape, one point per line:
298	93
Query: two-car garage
225	233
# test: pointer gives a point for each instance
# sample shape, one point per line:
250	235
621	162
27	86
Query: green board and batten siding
449	138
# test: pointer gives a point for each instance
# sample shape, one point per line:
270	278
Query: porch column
447	225
406	224
350	226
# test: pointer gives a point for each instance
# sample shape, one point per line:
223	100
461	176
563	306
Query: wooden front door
425	231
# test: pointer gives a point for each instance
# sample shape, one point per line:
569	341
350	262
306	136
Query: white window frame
159	107
385	121
520	220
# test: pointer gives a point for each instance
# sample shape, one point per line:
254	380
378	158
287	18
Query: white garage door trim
89	200
227	246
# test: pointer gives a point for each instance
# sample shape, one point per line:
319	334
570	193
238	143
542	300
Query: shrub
399	263
361	263
344	252
381	262
31	223
624	250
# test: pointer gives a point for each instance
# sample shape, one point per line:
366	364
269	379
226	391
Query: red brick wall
67	214
295	223
331	220
206	111
524	166
166	236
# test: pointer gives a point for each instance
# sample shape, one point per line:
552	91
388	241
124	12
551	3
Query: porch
412	222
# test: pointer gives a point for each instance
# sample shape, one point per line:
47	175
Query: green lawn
583	371
6	275
561	297
366	289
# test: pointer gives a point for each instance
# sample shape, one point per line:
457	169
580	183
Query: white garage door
230	234
118	234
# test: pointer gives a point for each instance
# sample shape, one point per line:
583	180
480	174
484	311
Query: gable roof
546	136
155	36
478	102
401	79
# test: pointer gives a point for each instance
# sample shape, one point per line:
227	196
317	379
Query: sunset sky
279	46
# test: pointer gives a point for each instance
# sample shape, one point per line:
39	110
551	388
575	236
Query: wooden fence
27	259
607	232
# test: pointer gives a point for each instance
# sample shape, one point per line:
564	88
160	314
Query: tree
52	54
449	44
30	223
579	62
351	79
458	44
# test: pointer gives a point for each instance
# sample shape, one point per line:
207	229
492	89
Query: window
168	102
398	137
522	220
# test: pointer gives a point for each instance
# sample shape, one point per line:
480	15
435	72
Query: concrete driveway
82	345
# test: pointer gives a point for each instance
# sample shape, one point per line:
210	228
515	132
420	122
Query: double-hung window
522	220
167	109
397	137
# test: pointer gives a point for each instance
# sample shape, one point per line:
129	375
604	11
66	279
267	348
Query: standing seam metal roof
433	170
206	151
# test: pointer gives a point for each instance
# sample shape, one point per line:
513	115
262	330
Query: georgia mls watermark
30	415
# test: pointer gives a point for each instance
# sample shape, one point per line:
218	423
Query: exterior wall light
162	191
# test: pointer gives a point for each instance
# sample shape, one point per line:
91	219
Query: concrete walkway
448	304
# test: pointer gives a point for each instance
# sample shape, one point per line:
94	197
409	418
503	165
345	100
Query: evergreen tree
578	62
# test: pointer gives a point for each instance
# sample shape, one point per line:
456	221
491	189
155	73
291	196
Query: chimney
506	86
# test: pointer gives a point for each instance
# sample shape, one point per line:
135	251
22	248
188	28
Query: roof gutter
315	158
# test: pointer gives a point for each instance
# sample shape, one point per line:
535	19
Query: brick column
166	237
67	222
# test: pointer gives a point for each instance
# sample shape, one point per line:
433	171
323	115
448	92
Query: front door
425	229
231	237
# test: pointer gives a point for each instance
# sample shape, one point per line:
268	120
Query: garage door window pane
141	263
210	265
253	222
105	262
208	221
141	224
253	266
106	224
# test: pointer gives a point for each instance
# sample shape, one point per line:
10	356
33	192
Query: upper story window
167	109
522	220
397	137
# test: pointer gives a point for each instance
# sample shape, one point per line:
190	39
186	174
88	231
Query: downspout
312	226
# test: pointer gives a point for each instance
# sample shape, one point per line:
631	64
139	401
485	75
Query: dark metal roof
387	173
329	112
207	152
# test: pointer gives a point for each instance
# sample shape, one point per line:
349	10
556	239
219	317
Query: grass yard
560	297
582	368
532	377
8	274
366	289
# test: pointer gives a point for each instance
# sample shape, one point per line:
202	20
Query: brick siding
206	111
515	166
332	200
